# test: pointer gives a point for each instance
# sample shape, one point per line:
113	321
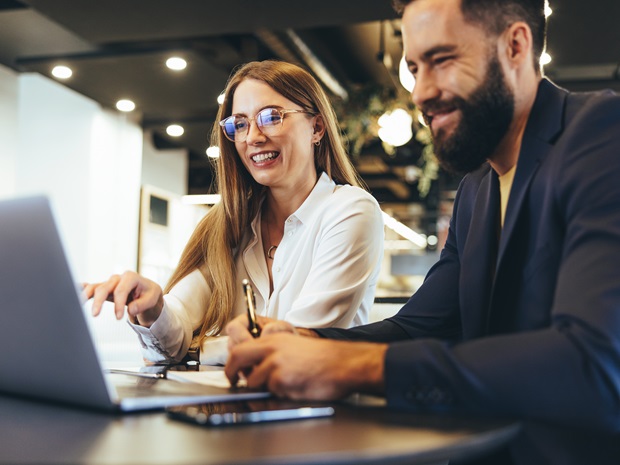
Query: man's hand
238	329
308	368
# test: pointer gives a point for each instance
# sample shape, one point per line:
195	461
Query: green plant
359	115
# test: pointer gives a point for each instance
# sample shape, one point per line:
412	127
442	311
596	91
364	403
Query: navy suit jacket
525	321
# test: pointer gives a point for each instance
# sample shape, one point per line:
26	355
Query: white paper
215	378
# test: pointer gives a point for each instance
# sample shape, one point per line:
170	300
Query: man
521	315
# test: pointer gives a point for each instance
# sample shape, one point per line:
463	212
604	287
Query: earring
318	142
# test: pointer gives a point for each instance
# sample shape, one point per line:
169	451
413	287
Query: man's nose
425	88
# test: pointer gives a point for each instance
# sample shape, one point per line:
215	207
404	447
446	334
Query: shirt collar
323	188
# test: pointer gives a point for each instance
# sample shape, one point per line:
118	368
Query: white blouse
325	273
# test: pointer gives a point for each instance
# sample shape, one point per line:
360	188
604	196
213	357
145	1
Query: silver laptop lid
47	349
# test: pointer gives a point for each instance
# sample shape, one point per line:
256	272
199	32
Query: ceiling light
545	59
221	97
175	130
176	63
395	127
213	152
125	105
406	78
62	72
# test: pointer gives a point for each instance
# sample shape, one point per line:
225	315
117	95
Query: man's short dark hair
496	15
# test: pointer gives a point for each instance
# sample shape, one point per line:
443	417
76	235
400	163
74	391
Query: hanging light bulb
395	127
404	75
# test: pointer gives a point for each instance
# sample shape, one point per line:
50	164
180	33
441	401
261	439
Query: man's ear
517	44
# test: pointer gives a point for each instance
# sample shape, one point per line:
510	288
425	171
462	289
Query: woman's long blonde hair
216	240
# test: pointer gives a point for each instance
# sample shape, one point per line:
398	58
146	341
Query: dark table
362	431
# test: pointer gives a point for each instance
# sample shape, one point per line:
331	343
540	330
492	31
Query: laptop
47	351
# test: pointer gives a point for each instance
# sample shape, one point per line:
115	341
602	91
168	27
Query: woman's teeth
264	156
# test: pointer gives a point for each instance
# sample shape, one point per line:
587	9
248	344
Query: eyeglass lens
236	127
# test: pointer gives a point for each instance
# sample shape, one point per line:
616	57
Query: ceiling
117	49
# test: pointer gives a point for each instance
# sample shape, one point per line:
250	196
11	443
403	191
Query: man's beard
485	117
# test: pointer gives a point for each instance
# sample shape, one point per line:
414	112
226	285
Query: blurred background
106	106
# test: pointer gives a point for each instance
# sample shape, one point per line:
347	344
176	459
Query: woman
292	220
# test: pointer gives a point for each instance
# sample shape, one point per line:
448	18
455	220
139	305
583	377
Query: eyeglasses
269	121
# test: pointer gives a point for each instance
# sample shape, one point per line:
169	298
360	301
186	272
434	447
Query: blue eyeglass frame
229	127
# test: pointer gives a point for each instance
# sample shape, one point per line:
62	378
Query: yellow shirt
505	183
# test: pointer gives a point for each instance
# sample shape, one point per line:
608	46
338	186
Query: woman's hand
143	298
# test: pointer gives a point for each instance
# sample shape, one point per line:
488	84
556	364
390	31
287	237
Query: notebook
47	351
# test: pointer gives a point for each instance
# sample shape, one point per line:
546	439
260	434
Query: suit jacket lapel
543	127
479	256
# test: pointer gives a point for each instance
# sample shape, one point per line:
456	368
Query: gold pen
251	301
